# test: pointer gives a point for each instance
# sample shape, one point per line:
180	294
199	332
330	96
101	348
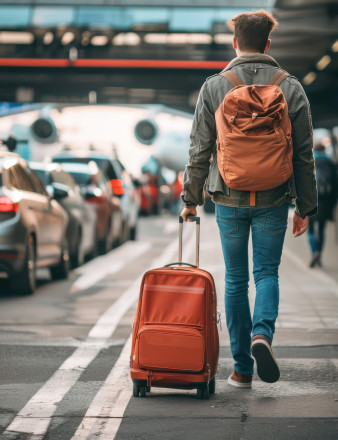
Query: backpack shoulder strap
278	78
233	79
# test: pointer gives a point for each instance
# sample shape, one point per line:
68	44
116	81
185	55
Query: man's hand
299	225
188	210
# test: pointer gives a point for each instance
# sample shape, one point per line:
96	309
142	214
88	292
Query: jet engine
146	131
44	130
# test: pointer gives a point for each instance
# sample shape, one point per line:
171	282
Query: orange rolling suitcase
175	337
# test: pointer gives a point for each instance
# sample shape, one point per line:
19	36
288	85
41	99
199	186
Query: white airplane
135	132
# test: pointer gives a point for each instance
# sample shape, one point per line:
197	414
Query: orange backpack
254	144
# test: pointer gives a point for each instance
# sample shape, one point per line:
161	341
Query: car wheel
105	244
143	391
203	392
212	386
133	232
124	234
61	270
25	281
77	258
155	210
95	249
136	390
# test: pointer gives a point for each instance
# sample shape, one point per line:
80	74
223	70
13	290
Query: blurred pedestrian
227	141
327	197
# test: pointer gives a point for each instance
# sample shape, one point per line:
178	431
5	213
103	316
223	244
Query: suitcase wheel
203	391
136	390
143	391
212	385
140	390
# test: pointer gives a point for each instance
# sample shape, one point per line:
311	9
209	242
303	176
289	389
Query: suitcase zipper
197	327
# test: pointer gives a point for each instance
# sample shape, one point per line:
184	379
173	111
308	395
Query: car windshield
104	164
81	178
72	159
43	176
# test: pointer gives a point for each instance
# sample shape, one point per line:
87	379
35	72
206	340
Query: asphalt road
64	353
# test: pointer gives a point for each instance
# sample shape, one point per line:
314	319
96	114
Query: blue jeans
316	234
268	228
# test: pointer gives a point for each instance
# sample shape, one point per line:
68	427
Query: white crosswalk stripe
113	262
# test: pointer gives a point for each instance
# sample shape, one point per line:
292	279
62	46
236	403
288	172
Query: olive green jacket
202	171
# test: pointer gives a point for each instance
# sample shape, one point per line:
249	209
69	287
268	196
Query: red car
147	190
97	191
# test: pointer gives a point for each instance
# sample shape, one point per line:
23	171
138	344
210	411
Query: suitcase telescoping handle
180	241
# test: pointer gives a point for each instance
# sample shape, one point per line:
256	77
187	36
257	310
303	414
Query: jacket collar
252	58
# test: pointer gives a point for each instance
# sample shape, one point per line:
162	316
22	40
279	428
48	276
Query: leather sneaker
240	380
267	367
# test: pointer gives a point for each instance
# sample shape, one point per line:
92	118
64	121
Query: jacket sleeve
202	142
303	160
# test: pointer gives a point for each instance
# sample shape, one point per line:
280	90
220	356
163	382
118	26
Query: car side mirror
136	183
57	191
90	191
50	191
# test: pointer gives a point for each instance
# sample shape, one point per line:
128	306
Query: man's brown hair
252	29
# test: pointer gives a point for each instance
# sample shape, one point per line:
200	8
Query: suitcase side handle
180	241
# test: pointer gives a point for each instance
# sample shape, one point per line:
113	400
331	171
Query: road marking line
113	262
66	342
124	283
170	227
105	413
44	402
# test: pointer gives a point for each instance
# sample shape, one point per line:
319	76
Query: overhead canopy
155	51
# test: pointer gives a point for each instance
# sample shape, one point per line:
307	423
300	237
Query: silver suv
32	226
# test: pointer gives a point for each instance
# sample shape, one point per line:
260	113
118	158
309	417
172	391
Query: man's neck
240	54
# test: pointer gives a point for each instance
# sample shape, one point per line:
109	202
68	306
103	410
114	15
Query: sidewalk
330	254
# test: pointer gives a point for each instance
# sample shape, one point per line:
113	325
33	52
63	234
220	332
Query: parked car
147	190
131	202
97	192
32	226
121	183
81	231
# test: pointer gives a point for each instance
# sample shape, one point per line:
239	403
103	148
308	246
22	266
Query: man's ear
234	43
267	47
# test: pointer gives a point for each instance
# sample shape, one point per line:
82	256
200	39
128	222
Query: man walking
327	186
241	150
